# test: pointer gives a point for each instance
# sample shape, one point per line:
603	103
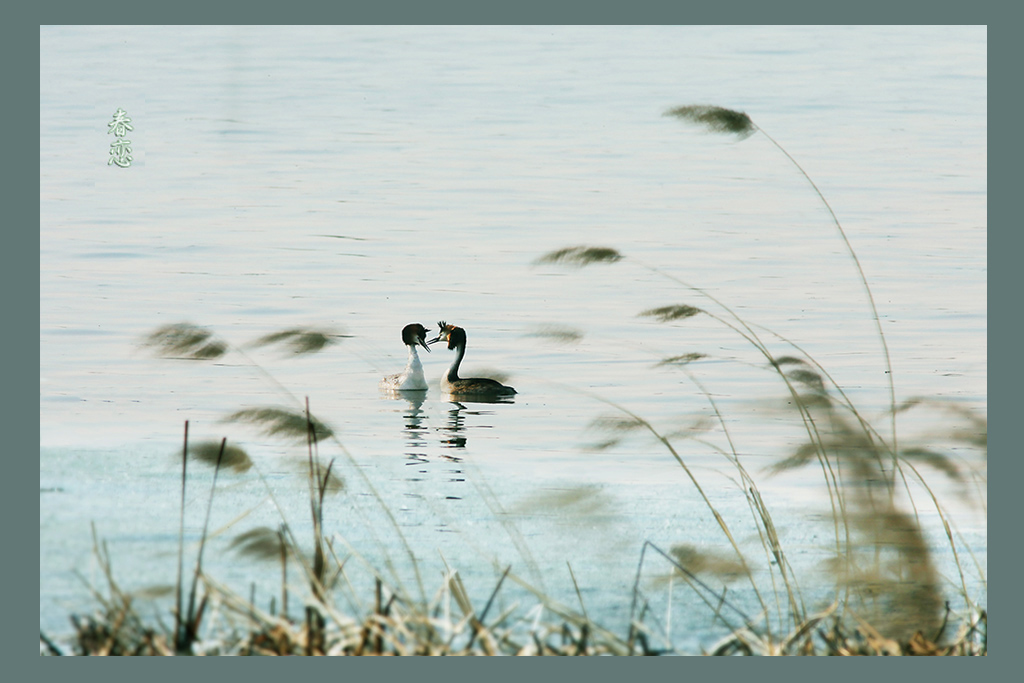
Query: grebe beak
423	342
432	341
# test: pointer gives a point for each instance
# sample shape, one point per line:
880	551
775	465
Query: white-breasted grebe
411	379
451	383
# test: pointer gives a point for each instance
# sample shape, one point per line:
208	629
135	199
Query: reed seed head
715	119
581	256
185	341
299	341
665	314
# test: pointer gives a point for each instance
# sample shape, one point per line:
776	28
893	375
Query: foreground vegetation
889	597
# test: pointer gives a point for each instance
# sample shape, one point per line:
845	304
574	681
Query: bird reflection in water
416	431
455	433
417	435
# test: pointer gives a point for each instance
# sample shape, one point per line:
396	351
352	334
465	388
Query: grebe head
414	334
453	334
411	379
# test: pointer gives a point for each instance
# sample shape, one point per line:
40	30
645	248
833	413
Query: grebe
451	383
412	378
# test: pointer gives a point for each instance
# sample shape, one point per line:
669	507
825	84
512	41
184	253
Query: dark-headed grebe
451	383
412	378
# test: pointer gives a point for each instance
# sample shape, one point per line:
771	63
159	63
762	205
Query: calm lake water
357	179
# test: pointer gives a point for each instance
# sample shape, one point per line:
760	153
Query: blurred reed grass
888	597
882	564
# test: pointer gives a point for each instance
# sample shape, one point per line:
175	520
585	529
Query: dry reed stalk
178	635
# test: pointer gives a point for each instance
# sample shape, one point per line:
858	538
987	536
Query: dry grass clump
448	626
397	628
832	636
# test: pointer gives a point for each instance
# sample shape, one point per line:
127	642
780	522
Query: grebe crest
411	379
451	383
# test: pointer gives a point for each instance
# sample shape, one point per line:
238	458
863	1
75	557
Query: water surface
357	179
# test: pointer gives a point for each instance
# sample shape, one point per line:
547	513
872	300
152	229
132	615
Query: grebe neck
453	371
414	359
